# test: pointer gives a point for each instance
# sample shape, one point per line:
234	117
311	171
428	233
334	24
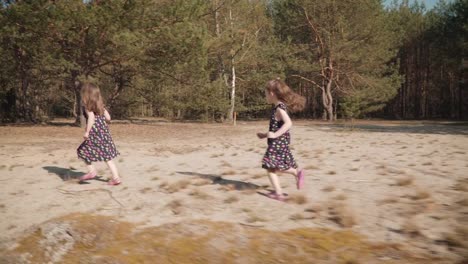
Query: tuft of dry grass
404	181
177	186
311	167
463	202
254	218
328	189
341	215
2	206
145	190
226	164
461	185
410	228
457	238
155	178
427	163
229	172
231	199
137	208
175	206
297	199
314	209
200	194
331	172
354	169
420	195
296	217
202	182
258	175
340	197
388	201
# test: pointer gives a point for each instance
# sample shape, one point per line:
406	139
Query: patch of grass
463	202
175	206
155	178
314	209
410	228
461	185
2	167
234	154
331	172
297	199
199	194
177	186
354	169
258	175
231	199
17	165
121	160
226	164
246	210
427	163
328	189
136	208
254	218
311	167
202	182
340	197
145	190
2	206
341	215
296	217
404	181
420	195
388	201
229	172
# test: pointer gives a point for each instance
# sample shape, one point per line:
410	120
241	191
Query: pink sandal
300	179
114	182
275	196
88	176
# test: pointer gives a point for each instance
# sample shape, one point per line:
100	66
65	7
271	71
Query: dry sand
394	182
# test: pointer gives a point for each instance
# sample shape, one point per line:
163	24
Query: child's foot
275	196
300	179
114	182
88	176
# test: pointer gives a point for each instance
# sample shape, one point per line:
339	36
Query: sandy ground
395	182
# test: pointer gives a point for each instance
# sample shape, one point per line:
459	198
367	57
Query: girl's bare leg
275	181
113	168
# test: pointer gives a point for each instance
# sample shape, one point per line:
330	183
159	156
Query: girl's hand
86	135
270	135
261	135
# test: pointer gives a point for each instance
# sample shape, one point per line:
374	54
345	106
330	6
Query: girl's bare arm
107	115
286	126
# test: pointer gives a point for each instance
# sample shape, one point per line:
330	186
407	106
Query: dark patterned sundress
99	146
278	156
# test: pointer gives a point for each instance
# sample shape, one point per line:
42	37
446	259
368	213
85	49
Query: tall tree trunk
233	91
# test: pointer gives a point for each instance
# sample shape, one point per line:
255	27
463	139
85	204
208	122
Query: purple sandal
114	182
300	179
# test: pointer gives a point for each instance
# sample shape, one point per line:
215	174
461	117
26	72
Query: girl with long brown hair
278	156
98	144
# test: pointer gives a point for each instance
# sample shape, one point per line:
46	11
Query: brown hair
92	99
294	101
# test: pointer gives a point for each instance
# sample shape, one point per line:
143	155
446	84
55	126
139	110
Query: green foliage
176	59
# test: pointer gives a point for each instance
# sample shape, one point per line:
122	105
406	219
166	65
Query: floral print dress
278	156
99	146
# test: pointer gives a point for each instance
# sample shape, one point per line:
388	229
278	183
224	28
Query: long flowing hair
92	99
281	90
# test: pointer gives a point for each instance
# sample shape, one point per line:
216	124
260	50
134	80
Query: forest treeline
206	59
